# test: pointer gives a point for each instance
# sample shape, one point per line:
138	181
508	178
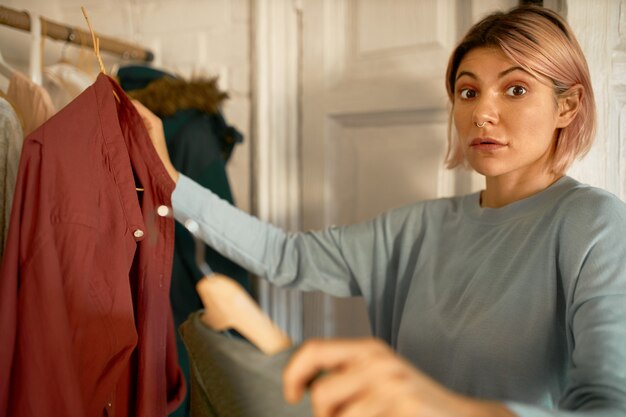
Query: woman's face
519	112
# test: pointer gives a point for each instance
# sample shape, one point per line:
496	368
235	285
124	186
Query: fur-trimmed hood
165	94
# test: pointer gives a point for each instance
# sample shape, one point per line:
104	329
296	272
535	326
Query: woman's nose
486	109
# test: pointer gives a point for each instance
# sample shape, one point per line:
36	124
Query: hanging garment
232	378
84	308
199	143
11	138
31	100
64	82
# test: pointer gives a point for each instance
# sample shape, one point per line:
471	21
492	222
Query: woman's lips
486	144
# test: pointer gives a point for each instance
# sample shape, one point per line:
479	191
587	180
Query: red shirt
85	322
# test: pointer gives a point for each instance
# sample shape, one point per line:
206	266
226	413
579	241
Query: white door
374	119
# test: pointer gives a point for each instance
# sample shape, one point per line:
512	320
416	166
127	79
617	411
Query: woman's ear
569	104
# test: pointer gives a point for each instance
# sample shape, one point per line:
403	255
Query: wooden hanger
228	306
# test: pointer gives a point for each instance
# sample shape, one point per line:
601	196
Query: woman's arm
327	260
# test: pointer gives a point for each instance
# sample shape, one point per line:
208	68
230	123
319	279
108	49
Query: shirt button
138	233
163	211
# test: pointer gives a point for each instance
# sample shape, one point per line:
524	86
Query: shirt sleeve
34	322
592	253
339	260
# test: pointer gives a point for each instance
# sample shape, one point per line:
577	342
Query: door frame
276	138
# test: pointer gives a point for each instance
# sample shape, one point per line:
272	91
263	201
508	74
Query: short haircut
541	42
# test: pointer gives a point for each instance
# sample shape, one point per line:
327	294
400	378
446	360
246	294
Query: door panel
374	121
374	166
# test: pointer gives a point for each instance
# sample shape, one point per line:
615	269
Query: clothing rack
21	20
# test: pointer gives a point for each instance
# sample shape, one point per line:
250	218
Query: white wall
188	37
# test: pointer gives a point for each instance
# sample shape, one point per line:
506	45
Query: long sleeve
592	256
9	283
362	259
39	343
597	372
308	261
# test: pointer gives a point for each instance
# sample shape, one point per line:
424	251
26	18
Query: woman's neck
502	191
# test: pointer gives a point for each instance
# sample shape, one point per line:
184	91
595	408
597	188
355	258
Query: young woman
510	301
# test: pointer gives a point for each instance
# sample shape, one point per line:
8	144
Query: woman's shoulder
585	196
586	205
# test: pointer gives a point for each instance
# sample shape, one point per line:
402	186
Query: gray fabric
232	378
524	304
11	140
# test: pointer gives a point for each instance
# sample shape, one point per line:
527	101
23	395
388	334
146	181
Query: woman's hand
154	125
364	378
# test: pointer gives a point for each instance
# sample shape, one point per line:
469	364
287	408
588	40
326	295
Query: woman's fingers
341	375
316	356
365	378
154	126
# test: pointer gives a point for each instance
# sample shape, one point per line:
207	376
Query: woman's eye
516	90
467	93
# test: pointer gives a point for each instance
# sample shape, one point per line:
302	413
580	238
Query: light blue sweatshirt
524	304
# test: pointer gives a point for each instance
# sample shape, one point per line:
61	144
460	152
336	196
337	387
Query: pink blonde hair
540	41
